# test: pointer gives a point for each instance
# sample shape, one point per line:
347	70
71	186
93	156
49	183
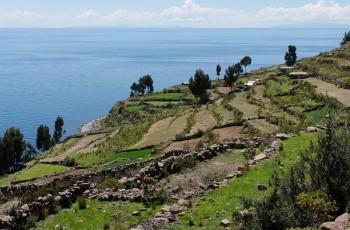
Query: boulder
25	208
183	202
230	176
136	213
244	213
260	157
332	226
225	222
311	129
342	218
6	219
282	136
175	209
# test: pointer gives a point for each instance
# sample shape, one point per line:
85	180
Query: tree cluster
145	85
199	84
14	151
346	38
43	136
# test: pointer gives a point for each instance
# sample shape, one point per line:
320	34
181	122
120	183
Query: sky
172	13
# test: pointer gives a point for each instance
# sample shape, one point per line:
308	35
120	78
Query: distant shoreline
92	126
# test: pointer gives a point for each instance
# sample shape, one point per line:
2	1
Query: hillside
163	160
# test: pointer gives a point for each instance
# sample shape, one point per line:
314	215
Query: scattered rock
25	207
262	187
230	176
260	157
331	226
225	222
176	209
244	213
136	213
282	136
311	129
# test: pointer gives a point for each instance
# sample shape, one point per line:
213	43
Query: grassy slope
116	214
226	200
38	170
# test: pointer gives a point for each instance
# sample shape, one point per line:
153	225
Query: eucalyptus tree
199	84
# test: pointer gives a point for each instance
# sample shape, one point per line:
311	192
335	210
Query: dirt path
342	95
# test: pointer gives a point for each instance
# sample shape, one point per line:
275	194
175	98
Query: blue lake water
80	73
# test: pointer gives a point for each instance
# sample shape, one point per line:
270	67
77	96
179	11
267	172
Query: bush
106	226
81	203
110	183
199	145
69	162
249	154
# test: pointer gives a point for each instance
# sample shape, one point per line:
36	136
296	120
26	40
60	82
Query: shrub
110	183
106	226
69	162
249	154
199	145
81	203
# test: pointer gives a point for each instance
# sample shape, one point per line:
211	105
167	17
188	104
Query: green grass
96	215
134	108
316	117
38	170
227	200
124	158
165	97
275	87
145	153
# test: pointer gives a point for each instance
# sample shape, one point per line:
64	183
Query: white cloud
89	14
189	14
192	15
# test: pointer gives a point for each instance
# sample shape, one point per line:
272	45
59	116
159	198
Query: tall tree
43	138
291	56
346	38
218	70
232	73
199	84
57	135
12	147
245	62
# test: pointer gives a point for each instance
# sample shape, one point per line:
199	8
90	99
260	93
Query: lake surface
80	73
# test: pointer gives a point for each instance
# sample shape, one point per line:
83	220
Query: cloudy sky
172	13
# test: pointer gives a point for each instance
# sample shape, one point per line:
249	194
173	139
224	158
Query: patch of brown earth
224	90
204	120
180	145
342	95
84	142
229	133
